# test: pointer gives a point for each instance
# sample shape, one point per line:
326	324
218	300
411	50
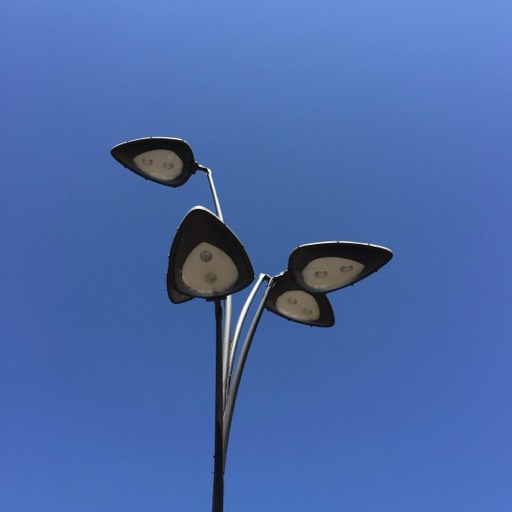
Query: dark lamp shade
206	259
165	160
176	297
327	266
290	301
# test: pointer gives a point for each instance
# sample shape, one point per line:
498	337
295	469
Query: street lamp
208	261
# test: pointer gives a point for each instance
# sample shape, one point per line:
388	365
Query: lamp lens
298	305
208	269
161	164
326	274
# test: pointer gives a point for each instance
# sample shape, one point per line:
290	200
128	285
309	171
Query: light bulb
206	256
291	300
210	277
320	273
346	268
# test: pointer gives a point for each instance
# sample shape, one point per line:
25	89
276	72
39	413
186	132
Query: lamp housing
287	299
164	160
206	259
323	267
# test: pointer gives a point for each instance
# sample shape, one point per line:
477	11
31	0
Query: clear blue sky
382	122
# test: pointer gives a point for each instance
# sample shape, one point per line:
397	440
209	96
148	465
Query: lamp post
208	261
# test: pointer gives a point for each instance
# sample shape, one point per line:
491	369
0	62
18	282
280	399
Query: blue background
382	122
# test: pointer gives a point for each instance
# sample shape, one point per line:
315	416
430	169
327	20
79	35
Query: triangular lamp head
289	300
206	259
165	160
327	266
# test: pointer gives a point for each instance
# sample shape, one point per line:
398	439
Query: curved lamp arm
237	375
208	173
241	320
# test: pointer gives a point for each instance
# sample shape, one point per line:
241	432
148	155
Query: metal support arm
239	368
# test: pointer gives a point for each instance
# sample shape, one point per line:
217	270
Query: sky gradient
381	122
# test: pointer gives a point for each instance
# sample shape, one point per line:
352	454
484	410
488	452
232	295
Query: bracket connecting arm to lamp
208	261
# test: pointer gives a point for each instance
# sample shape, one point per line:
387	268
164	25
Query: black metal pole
218	465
